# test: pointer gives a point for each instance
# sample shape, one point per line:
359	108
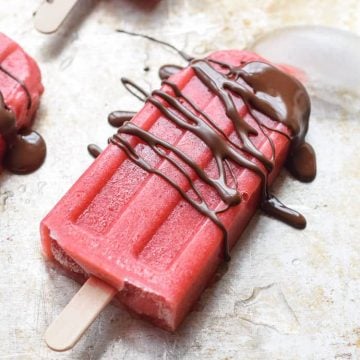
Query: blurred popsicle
21	149
51	14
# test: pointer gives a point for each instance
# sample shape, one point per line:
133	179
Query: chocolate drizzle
21	83
25	149
135	89
157	41
264	89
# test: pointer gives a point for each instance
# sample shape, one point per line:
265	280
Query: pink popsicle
20	85
135	231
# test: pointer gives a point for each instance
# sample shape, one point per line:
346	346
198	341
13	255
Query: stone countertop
286	294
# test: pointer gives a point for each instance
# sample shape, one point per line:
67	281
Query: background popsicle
20	91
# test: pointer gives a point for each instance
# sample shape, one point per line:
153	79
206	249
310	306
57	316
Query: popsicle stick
84	307
51	14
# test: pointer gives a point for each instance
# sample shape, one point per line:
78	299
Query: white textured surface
287	294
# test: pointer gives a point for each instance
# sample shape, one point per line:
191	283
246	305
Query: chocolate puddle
25	153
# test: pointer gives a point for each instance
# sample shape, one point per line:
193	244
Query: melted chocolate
264	89
274	207
302	162
25	153
94	150
117	118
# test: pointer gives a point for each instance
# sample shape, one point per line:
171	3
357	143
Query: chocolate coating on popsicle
264	89
293	110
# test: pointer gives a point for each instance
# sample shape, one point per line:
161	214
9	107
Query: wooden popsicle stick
80	312
51	14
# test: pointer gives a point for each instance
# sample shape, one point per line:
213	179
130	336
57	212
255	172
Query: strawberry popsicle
21	149
164	203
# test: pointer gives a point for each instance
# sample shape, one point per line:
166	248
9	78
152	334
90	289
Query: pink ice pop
20	91
163	204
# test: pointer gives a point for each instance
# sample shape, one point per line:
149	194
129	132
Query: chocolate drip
94	150
264	89
293	110
180	52
117	118
25	149
167	70
220	85
274	207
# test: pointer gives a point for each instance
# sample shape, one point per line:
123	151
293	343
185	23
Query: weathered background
287	294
